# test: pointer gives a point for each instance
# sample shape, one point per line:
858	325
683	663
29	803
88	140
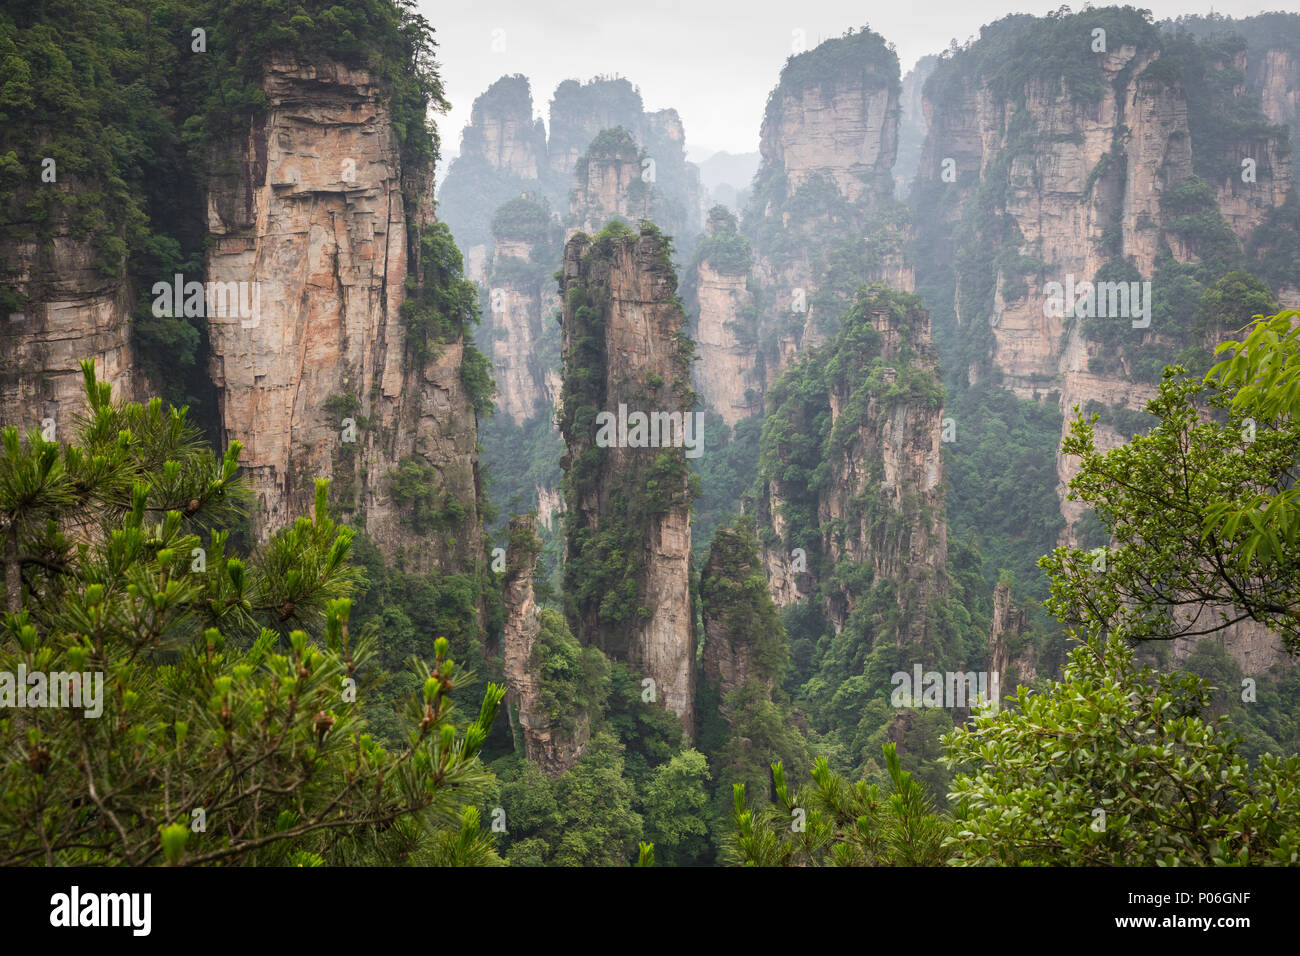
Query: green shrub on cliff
574	679
727	251
1056	50
858	54
521	220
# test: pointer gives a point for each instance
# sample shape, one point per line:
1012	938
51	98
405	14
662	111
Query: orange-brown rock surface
621	323
311	204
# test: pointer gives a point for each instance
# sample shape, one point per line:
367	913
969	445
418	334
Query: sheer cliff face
309	209
629	505
1062	196
546	742
517	306
521	302
885	501
1276	75
824	193
727	375
618	177
1010	657
879	508
1064	192
911	122
503	133
847	129
1245	205
743	638
71	312
892	453
1254	648
727	663
1041	185
1073	168
608	183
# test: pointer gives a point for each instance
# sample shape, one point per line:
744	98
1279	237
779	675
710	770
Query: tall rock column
1276	75
727	374
627	421
1010	657
56	308
525	249
607	182
868	407
743	637
545	740
823	218
502	155
310	210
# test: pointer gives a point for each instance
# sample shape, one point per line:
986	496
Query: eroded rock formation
608	183
546	741
911	122
880	506
313	209
1010	656
521	301
727	374
824	193
502	131
743	639
584	175
628	516
1091	186
70	311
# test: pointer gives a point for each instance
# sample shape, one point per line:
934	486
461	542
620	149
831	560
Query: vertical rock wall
880	505
622	346
311	208
545	741
71	312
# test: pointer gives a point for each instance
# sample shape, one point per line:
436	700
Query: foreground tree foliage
230	730
1117	766
677	809
1202	510
833	822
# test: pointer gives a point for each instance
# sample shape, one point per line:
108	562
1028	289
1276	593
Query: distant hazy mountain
729	169
727	176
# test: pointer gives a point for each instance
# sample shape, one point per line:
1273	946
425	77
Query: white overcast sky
715	61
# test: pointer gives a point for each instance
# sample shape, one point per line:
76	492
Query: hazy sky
714	60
